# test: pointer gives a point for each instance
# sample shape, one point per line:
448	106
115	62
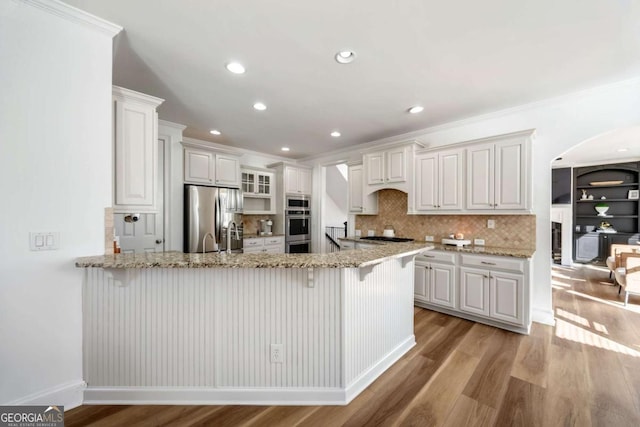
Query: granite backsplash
251	223
512	231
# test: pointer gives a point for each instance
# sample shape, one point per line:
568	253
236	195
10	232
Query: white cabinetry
497	176
493	287
439	178
386	167
297	180
199	166
435	279
203	165
358	202
268	244
258	191
484	288
136	151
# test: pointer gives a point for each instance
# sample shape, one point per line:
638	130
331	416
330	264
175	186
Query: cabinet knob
486	277
158	241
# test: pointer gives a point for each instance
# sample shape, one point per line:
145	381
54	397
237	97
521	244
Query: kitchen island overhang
203	329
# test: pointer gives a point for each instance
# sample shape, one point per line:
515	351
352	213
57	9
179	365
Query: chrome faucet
204	242
229	235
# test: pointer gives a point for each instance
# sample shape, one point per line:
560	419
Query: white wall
560	123
336	196
55	175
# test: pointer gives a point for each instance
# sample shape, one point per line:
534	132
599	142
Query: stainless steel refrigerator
208	214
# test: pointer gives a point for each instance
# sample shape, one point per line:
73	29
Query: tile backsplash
108	231
251	223
513	231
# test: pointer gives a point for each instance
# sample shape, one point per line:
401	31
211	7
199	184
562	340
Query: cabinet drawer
253	250
435	256
253	242
268	241
493	263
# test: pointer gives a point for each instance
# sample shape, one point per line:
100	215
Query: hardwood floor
584	371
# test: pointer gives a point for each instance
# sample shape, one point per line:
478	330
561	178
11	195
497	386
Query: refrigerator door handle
218	230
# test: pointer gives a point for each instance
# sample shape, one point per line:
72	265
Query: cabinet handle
434	206
428	256
486	277
487	263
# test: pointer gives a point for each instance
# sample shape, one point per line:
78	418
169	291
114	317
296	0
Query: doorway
147	233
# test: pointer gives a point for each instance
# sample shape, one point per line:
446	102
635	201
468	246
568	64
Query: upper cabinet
135	151
386	167
258	191
297	180
439	178
203	165
358	202
497	175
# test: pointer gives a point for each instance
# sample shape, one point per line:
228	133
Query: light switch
46	241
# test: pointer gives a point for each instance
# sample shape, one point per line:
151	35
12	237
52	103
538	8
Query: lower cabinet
435	280
484	288
268	244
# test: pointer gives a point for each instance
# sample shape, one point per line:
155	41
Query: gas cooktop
387	239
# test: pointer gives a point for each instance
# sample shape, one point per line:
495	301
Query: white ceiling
456	58
621	145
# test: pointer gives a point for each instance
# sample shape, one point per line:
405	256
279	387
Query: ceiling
612	147
458	59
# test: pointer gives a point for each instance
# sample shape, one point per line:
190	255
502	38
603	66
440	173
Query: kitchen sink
387	239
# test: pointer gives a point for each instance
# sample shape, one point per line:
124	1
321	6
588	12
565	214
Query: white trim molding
76	15
69	395
545	317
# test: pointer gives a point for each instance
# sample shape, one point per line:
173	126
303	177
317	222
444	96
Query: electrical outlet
277	353
479	242
428	238
491	223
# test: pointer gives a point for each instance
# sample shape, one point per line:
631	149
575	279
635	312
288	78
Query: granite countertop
470	249
344	259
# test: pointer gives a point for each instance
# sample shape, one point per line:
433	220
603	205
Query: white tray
456	242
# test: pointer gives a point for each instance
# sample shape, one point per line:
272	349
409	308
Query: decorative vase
602	209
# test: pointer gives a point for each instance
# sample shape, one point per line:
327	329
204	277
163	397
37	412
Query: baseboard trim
546	317
245	396
68	395
365	379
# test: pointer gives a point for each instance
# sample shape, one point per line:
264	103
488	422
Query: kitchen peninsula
245	328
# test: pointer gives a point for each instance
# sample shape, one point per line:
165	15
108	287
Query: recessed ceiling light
345	56
214	132
335	134
622	150
235	67
259	106
285	149
415	110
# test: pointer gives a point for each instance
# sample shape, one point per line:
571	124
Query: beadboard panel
378	314
161	329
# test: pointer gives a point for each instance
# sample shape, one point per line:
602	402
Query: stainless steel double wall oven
298	224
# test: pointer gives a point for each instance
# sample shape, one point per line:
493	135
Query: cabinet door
474	291
304	183
450	178
136	154
264	184
587	247
420	283
480	177
507	297
248	182
374	168
442	285
427	182
396	163
291	180
355	189
198	166
227	170
510	176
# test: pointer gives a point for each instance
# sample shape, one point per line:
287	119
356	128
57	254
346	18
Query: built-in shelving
623	214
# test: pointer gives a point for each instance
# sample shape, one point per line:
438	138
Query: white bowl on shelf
602	210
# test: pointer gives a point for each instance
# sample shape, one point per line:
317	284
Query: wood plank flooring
584	371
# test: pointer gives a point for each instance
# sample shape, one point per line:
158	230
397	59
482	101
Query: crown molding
75	15
171	125
125	94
